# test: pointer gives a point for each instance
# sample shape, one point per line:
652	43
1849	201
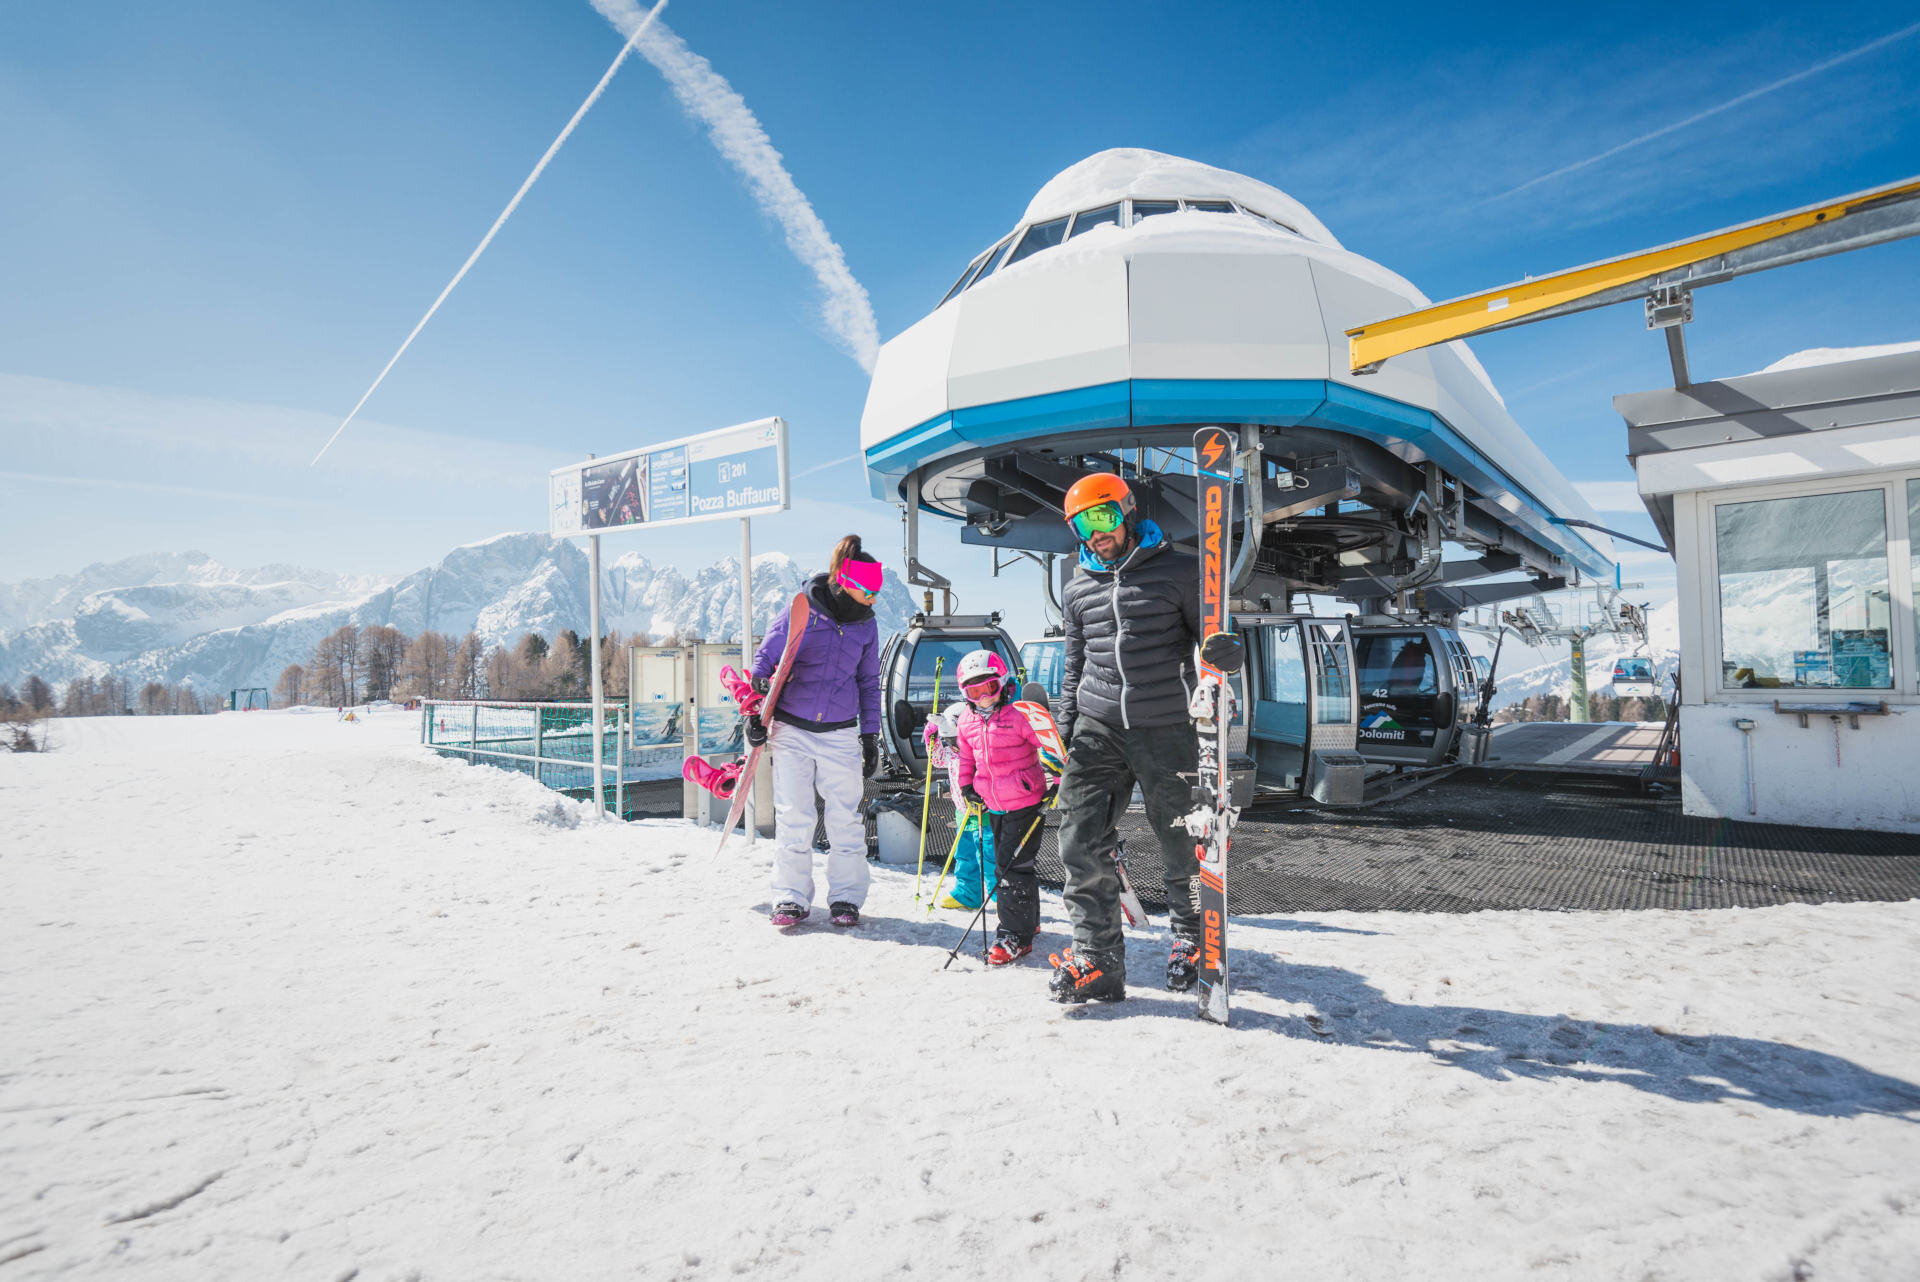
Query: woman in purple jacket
832	688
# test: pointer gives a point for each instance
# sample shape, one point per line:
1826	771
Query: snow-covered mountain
184	617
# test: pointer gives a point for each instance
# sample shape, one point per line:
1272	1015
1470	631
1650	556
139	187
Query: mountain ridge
184	618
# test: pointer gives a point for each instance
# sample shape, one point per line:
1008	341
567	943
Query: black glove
1053	790
760	685
1223	650
971	795
756	731
869	754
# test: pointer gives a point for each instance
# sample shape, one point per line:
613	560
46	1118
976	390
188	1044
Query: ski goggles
981	687
861	578
1101	518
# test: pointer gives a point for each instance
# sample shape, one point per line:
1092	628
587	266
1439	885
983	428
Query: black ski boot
1090	977
845	914
1183	966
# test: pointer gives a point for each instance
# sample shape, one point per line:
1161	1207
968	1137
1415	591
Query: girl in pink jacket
1000	772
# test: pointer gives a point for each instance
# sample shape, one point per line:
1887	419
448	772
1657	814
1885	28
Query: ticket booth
1789	499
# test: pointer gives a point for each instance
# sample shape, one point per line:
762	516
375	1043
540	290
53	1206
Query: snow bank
1835	355
285	997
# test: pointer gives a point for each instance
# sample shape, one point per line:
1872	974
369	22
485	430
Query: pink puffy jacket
1000	757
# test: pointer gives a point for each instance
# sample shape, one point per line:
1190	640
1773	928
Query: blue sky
222	218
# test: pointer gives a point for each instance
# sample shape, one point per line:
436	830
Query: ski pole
1000	883
959	835
926	797
986	833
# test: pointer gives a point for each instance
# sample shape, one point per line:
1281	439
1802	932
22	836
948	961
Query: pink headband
865	575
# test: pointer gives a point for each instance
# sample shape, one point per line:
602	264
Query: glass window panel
1108	214
1148	208
1039	236
1804	597
1210	206
988	265
1403	664
1333	686
965	276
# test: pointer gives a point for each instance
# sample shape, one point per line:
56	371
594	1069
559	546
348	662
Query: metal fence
552	742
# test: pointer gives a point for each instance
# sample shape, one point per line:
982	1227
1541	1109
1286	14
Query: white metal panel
1219	316
1040	327
910	378
1347	302
1840	451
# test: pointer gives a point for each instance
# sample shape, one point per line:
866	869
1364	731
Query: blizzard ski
1210	823
798	615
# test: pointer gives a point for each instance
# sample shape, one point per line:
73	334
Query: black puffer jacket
1130	637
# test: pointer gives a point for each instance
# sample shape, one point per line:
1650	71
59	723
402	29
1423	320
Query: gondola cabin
1418	687
913	661
1633	677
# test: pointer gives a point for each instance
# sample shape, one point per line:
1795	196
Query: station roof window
1039	236
1210	206
1148	208
1106	214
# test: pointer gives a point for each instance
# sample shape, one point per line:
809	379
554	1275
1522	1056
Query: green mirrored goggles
1098	519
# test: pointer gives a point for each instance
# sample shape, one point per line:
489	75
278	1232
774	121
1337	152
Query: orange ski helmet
1096	488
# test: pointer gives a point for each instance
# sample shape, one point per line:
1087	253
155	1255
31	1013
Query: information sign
734	472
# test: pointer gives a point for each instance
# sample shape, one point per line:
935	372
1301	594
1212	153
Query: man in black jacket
1132	620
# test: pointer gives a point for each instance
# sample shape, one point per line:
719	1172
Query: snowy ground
284	997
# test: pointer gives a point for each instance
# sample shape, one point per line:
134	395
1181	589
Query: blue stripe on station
1401	429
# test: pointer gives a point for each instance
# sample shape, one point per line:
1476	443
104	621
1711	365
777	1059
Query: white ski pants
826	762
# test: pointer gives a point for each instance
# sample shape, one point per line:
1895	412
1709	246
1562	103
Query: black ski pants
1016	843
1103	763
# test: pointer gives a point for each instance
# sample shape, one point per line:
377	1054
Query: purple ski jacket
835	679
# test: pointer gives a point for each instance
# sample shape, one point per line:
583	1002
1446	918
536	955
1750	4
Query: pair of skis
1210	822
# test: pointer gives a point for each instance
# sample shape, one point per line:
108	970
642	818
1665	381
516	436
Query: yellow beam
1462	317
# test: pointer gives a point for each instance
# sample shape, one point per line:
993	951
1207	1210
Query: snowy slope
348	1011
188	619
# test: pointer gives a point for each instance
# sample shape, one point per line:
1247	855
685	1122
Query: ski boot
1007	950
787	913
1089	977
1183	966
845	914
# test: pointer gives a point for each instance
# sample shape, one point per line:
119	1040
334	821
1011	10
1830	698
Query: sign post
738	471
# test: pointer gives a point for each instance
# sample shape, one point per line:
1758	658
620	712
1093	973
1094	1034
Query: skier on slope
1000	773
1132	620
833	686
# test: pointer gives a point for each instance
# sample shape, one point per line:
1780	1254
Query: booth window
1210	206
1148	208
1039	236
1804	593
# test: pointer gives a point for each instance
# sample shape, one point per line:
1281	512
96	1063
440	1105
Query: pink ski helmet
982	675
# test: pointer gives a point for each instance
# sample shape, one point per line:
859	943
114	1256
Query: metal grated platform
1493	839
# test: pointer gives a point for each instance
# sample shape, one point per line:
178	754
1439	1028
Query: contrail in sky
1698	116
639	26
706	96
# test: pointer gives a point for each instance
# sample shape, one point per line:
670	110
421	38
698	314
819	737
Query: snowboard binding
741	687
721	781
